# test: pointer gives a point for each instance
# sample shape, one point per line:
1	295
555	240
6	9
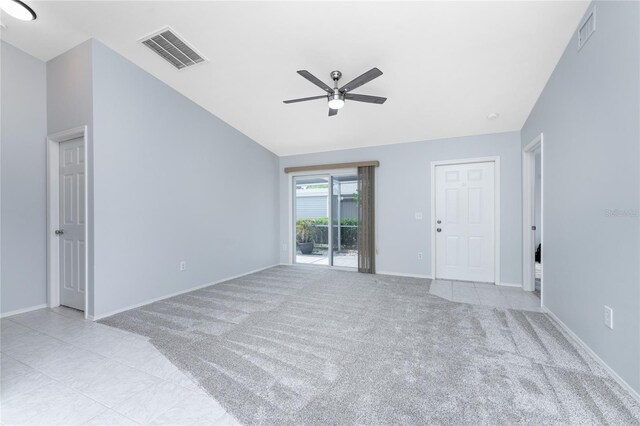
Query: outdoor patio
345	260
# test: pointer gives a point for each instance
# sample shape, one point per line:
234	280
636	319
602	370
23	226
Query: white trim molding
402	274
292	244
177	293
292	237
626	386
497	231
528	212
53	212
23	310
509	284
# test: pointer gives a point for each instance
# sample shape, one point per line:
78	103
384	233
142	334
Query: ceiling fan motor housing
337	96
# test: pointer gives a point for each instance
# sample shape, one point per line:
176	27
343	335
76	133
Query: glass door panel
311	219
344	221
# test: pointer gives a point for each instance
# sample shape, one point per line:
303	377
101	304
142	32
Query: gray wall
165	171
70	105
69	92
403	188
23	180
589	113
312	207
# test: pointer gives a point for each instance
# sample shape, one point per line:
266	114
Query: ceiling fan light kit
336	96
336	101
18	10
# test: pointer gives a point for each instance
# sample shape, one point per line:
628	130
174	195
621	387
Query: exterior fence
346	232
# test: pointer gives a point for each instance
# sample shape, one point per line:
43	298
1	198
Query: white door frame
496	209
292	212
53	214
528	212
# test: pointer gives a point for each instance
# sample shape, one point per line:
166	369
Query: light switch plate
418	215
608	317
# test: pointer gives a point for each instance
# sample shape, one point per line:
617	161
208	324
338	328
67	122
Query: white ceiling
447	65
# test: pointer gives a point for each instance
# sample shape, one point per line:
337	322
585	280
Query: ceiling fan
337	96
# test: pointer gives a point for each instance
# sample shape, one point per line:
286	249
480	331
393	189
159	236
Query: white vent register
172	48
587	28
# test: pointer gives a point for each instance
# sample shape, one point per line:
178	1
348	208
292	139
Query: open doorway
537	221
533	224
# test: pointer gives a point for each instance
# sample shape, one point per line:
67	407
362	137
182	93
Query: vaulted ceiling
447	65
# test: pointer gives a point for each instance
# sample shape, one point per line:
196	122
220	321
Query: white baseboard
626	386
509	285
401	274
397	274
146	302
23	310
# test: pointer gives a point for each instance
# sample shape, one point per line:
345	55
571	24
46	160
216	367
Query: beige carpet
305	345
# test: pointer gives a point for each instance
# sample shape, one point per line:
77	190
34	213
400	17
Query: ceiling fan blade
291	101
365	98
315	80
332	112
359	81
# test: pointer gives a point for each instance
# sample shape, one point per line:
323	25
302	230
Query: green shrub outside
305	230
318	229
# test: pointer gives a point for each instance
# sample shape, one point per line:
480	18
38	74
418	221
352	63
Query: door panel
465	246
72	243
451	209
451	258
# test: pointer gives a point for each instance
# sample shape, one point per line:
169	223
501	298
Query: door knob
59	231
439	229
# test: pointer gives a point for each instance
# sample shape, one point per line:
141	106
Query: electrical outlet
608	317
418	215
183	265
419	255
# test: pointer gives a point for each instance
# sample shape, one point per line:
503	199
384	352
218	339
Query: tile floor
58	368
486	294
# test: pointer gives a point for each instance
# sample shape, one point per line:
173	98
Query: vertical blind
366	220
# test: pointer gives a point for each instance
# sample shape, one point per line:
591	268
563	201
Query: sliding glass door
325	219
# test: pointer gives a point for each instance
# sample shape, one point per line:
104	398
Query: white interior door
465	222
71	231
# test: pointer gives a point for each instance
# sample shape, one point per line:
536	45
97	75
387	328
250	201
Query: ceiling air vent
172	48
587	28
